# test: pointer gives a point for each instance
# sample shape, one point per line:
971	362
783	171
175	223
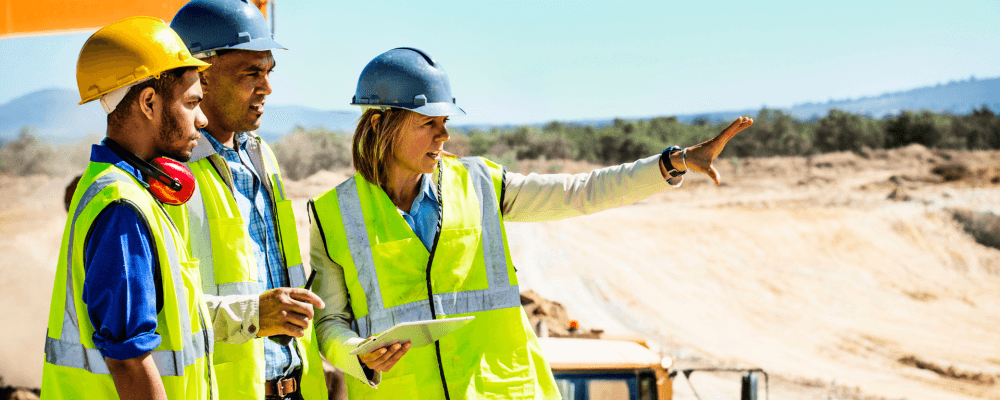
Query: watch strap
665	158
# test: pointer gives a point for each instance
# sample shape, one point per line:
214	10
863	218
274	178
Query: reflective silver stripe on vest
500	294
71	327
168	363
200	242
69	352
360	248
494	254
445	304
296	276
235	288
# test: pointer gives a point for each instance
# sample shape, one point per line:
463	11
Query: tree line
303	152
774	133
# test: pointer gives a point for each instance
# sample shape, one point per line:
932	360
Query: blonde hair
372	148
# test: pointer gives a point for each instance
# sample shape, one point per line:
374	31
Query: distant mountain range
957	97
56	117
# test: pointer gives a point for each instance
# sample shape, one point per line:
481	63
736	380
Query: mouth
257	107
436	155
193	137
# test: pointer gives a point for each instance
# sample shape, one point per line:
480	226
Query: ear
147	100
376	118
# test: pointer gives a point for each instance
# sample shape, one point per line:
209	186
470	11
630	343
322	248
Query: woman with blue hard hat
417	234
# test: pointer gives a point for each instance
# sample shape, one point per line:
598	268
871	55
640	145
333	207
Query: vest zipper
430	289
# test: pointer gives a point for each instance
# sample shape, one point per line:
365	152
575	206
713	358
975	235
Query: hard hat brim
430	110
439	109
261	44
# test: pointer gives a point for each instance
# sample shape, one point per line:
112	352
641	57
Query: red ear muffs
165	191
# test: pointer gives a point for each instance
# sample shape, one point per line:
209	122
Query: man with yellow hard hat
127	318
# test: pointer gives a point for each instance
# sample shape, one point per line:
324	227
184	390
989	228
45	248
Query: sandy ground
802	267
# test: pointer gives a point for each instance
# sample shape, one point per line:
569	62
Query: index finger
307	296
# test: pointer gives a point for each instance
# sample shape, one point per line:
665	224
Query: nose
264	87
200	120
441	133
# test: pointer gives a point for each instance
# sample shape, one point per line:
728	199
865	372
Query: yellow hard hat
127	52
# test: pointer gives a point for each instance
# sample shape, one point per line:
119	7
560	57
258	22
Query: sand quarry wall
800	266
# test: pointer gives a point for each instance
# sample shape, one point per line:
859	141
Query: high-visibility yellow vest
74	367
392	278
217	235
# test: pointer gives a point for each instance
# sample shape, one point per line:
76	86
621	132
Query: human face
178	134
236	86
420	144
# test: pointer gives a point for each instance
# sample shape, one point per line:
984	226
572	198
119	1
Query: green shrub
27	155
304	152
843	131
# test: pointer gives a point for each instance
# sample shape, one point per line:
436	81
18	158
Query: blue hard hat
406	78
210	25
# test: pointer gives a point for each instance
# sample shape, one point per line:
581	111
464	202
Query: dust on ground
845	276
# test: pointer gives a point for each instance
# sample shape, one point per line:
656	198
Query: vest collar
205	149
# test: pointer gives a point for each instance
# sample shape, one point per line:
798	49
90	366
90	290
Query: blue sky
534	61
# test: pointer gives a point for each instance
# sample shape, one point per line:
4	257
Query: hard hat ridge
406	78
210	25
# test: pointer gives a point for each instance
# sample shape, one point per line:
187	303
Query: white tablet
418	333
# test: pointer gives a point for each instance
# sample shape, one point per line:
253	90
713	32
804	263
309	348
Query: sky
513	62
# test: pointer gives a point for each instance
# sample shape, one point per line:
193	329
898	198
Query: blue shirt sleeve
120	288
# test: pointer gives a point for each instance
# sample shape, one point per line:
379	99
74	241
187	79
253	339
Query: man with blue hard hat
239	223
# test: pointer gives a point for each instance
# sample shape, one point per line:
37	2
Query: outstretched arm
549	197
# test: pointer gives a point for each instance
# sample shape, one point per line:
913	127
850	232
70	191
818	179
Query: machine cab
590	369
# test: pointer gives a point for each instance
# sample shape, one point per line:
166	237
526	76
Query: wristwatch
665	158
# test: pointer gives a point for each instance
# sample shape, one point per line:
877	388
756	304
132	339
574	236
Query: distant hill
955	97
54	114
57	118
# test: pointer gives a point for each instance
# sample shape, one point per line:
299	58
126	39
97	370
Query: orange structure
21	18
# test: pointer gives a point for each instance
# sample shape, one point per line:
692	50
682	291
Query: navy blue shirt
119	289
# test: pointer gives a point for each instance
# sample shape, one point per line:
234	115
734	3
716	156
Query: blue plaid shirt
254	205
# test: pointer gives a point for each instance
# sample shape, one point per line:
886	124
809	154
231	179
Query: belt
281	387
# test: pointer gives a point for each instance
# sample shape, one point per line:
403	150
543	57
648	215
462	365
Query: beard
171	137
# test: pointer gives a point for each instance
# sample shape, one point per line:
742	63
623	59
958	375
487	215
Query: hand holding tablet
418	334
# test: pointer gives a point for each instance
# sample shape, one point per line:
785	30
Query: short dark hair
164	86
